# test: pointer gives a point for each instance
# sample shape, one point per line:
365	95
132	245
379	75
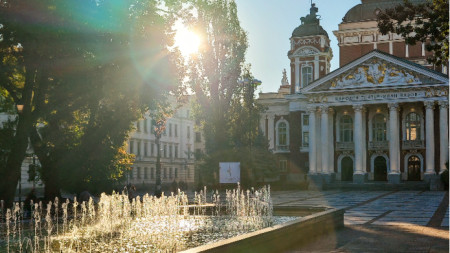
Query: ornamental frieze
375	73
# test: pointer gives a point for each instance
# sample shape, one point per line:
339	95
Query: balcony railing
282	148
416	144
378	145
345	146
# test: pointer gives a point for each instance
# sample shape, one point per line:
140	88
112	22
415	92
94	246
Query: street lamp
19	107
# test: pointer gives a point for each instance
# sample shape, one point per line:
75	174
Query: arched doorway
414	168
347	169
380	169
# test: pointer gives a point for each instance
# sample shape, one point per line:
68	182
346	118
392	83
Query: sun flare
187	41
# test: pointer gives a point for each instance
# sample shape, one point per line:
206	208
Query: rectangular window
138	172
145	149
188	172
145	125
305	139
189	152
176	130
197	153
170	173
176	172
188	132
198	137
283	166
305	120
152	149
130	173
138	126
306	76
165	131
176	150
165	173
138	148
145	173
131	147
165	150
152	173
170	130
170	151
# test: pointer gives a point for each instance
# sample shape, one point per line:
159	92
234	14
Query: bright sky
270	23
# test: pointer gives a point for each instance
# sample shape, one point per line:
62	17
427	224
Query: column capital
393	106
311	109
358	107
429	104
270	116
324	109
330	110
443	104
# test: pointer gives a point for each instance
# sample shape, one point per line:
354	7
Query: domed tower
310	52
358	34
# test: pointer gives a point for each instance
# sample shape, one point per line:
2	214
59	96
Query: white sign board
230	173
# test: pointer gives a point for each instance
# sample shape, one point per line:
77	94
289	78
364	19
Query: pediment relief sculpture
375	73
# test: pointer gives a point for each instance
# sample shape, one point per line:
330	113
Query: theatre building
381	116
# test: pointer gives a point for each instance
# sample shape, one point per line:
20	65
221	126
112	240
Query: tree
83	76
426	22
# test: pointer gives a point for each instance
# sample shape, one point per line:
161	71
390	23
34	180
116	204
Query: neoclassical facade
380	117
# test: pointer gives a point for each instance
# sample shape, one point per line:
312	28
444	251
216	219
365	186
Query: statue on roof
312	17
284	80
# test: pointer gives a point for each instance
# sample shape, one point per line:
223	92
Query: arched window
306	75
412	126
379	127
346	129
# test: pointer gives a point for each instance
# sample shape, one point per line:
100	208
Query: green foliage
91	69
426	22
224	91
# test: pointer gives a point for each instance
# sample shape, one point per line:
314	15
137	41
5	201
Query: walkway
378	221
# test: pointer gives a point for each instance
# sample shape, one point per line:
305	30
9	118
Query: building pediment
376	70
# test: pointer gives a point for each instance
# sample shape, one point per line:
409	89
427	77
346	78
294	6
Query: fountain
169	223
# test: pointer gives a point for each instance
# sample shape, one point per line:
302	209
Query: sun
186	40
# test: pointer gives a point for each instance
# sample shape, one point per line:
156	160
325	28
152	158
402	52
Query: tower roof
310	24
367	10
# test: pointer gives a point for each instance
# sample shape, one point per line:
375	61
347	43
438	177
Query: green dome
368	9
309	30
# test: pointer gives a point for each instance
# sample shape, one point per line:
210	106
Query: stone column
312	138
270	129
358	176
324	138
330	141
297	74
443	134
394	144
316	67
318	141
429	137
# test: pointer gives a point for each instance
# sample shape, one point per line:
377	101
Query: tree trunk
10	174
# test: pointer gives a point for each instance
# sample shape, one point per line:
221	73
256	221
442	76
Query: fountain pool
146	224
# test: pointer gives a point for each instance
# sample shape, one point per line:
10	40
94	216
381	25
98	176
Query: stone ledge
279	237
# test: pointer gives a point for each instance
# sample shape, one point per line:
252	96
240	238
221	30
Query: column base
394	178
327	178
428	177
359	178
315	182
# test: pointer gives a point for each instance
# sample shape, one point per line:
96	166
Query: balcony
282	149
342	146
378	145
415	144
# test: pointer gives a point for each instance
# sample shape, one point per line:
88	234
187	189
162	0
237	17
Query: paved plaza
378	221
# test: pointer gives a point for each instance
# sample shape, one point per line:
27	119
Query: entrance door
380	169
414	168
347	169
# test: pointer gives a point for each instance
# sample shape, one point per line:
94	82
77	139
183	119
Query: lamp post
19	107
